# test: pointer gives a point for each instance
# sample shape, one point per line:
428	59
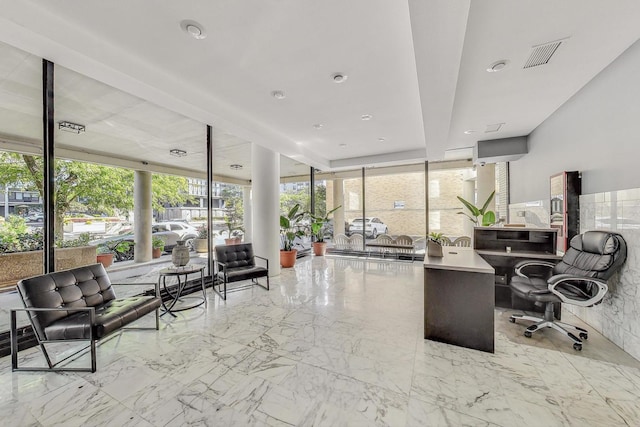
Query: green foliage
232	196
81	186
203	232
319	223
16	237
436	237
113	247
488	217
290	227
81	240
303	198
157	242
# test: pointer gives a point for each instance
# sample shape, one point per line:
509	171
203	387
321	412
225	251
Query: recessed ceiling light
235	167
342	145
177	152
381	140
317	126
469	131
278	94
194	29
498	66
339	77
366	117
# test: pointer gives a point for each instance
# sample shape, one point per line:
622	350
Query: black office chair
580	278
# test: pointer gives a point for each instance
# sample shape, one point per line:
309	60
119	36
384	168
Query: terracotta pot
233	241
105	259
319	248
156	252
288	258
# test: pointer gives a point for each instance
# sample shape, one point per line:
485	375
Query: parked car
170	241
186	231
35	217
373	227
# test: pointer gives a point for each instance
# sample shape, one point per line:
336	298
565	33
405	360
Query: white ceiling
418	67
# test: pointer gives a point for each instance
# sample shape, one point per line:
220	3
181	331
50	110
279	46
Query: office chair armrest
532	263
578	290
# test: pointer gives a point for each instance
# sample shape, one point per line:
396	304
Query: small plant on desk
434	245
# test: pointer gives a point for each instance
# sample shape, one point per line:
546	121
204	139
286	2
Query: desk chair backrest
597	254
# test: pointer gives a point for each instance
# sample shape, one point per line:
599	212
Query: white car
373	227
186	231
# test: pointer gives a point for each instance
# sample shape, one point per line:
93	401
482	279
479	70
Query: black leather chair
236	263
580	278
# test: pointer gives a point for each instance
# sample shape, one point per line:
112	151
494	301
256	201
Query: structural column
142	216
265	180
338	200
486	183
469	194
248	221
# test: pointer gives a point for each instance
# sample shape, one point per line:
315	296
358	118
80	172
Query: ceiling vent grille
541	54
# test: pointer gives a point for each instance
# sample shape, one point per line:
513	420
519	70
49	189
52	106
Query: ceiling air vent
542	53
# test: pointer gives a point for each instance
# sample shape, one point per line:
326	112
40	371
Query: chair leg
549	322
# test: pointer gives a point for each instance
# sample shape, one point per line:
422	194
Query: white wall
596	132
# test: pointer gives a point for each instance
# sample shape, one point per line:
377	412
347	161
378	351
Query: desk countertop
459	259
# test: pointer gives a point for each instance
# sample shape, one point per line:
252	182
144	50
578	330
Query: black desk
177	295
459	296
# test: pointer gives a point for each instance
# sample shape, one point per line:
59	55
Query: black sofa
76	305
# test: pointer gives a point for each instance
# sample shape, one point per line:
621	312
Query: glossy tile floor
335	342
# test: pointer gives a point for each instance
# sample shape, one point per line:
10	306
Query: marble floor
335	342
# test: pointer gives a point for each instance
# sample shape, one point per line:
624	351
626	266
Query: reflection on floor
335	342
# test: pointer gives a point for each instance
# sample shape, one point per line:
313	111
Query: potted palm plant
234	230
479	215
289	230
318	227
157	244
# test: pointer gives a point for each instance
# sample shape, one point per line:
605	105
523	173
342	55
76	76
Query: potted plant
121	250
157	245
318	227
201	239
104	255
434	245
289	230
486	217
234	230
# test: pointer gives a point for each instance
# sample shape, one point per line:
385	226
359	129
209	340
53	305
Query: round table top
185	269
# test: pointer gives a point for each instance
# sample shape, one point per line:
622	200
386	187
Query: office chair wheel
527	334
577	346
512	319
584	336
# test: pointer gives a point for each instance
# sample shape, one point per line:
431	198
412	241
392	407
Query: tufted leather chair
77	304
236	263
580	278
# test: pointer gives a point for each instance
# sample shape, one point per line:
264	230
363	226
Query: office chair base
558	326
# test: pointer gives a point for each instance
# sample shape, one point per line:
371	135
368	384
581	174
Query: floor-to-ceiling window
21	179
